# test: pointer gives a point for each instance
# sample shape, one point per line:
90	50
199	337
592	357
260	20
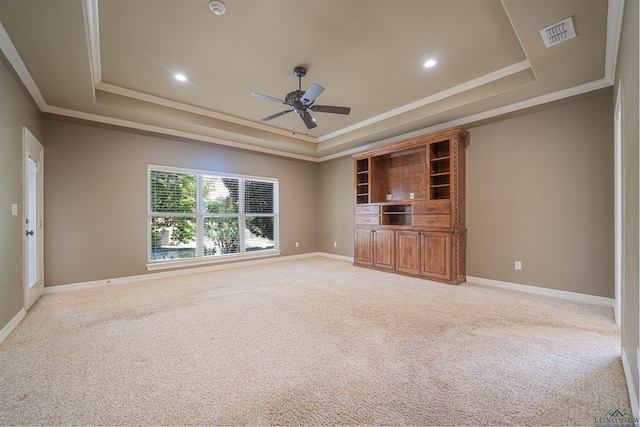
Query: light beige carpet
309	342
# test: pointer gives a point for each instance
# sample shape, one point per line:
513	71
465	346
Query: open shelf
439	150
440	192
440	179
440	170
363	188
396	214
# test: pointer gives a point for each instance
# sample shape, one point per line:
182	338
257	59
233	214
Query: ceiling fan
302	102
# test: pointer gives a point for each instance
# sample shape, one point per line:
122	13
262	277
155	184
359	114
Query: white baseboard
572	296
630	384
131	279
334	256
13	323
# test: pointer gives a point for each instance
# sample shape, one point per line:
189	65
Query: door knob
30	233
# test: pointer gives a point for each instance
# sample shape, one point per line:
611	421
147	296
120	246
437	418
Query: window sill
166	265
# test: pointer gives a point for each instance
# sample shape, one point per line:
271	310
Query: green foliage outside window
175	193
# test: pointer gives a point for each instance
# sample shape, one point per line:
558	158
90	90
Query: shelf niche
362	179
440	170
397	175
396	214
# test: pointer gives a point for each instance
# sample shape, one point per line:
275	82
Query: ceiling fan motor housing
294	96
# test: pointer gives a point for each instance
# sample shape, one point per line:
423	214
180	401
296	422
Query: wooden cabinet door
408	252
363	247
384	252
436	255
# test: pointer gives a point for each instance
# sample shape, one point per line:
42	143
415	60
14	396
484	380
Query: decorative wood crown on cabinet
410	207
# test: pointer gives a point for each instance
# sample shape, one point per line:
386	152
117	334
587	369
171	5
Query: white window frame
200	259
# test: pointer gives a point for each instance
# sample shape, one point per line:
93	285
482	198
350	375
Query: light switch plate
14	209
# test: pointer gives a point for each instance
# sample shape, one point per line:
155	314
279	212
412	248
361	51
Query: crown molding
12	55
172	132
118	90
466	86
463	121
92	30
615	12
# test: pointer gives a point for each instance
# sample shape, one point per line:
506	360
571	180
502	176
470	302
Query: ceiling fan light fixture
217	7
429	63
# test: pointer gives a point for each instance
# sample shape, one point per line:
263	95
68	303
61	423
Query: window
205	216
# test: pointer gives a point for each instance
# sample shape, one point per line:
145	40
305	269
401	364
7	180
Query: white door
33	221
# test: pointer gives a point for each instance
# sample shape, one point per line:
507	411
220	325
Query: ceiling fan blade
308	120
273	116
311	94
270	98
330	109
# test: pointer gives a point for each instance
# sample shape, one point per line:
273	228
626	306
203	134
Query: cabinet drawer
432	208
367	210
367	219
437	221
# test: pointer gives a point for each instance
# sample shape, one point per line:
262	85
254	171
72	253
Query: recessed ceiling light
429	63
180	77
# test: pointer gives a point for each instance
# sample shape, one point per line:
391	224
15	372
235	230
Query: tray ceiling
113	61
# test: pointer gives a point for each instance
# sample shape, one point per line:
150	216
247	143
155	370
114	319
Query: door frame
29	140
618	208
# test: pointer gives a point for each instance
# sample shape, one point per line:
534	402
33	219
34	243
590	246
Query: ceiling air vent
558	33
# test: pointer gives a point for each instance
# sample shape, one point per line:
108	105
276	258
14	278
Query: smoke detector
558	33
217	7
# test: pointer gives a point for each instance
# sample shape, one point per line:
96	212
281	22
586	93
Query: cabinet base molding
417	276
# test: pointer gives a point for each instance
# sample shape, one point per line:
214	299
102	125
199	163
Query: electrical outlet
335	244
518	265
412	196
14	209
297	244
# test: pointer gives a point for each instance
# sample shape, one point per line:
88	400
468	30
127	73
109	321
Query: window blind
196	214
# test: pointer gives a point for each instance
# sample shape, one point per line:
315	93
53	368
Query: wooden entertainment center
410	207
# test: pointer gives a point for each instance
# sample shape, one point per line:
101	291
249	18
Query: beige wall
540	191
335	197
627	73
96	195
16	111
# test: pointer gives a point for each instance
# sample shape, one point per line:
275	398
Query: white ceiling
113	61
